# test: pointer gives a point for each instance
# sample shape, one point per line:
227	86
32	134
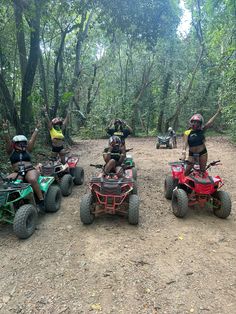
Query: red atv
196	188
65	175
111	194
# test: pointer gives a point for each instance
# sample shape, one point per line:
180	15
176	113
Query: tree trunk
145	83
57	73
164	94
43	82
20	36
173	120
91	97
81	35
10	109
26	103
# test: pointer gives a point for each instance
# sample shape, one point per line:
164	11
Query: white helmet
170	129
19	138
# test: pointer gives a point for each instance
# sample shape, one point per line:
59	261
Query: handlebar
99	166
213	163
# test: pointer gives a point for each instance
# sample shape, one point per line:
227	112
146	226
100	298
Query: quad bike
111	194
129	163
166	140
65	175
197	188
18	203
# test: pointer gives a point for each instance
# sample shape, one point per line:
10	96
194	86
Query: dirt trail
165	265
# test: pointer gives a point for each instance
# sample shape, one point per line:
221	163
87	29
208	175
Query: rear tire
78	174
53	199
170	145
133	210
134	173
25	221
221	204
179	203
66	184
86	206
169	186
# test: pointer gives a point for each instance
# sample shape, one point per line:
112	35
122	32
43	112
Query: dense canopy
123	58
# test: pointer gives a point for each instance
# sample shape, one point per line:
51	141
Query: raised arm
66	120
49	123
212	119
185	145
32	140
110	125
127	127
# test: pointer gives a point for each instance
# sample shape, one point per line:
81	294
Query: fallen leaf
96	306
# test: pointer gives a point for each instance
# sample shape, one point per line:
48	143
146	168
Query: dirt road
164	265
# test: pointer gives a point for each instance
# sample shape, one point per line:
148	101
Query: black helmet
114	140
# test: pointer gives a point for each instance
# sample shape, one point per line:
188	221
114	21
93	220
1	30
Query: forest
105	59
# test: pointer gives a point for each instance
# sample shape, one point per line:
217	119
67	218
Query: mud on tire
86	206
53	199
221	204
179	203
25	221
133	210
66	184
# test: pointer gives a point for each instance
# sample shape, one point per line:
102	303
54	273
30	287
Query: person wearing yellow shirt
56	127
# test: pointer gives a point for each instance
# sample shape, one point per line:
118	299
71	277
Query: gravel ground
165	265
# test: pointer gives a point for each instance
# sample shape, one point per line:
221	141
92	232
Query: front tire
179	203
78	174
135	188
221	204
25	221
157	145
53	199
134	173
86	206
133	210
66	184
169	186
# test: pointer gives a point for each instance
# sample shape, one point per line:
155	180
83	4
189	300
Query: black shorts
203	152
56	149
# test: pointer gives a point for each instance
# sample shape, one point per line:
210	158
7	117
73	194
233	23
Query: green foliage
143	68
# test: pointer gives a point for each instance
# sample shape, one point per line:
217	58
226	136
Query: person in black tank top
19	149
194	138
114	155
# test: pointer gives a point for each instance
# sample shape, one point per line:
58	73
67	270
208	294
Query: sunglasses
21	143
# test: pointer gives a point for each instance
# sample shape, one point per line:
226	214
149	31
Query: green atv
129	162
18	205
